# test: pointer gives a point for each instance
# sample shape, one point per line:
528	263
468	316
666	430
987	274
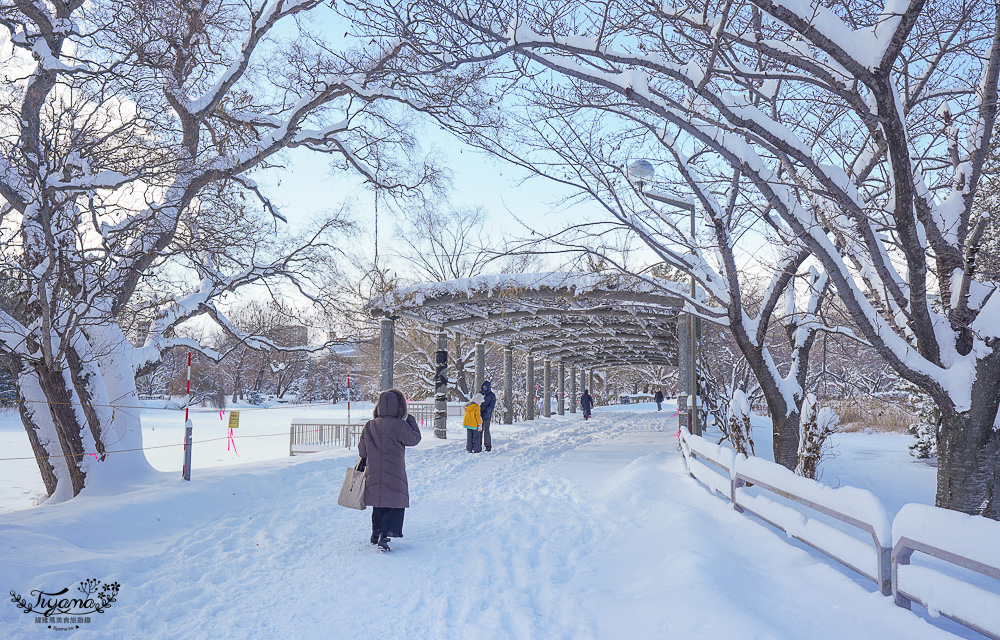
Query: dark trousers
586	414
388	521
487	440
658	407
473	440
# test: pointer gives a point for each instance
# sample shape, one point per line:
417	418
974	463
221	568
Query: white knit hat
478	398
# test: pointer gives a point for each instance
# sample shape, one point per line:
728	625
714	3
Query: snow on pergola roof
578	318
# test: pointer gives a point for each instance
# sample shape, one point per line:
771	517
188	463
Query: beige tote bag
352	494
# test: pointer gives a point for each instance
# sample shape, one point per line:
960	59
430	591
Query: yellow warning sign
234	419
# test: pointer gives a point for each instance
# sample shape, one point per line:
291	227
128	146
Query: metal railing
891	566
925	529
881	575
308	436
423	411
879	571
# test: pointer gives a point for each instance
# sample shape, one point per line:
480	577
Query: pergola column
561	397
593	391
696	425
529	383
508	385
386	353
572	389
441	386
546	388
480	366
683	371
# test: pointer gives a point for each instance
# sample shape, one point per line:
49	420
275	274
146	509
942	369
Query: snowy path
567	530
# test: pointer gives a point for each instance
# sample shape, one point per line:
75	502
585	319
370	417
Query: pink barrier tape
232	441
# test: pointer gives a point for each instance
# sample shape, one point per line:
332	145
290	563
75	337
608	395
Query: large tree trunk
37	422
82	418
784	414
786	436
69	427
968	478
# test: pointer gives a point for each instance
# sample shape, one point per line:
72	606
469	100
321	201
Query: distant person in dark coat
486	412
382	445
658	399
586	403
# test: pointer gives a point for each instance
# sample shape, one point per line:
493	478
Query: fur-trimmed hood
391	403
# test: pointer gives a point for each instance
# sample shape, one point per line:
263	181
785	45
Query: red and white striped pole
186	469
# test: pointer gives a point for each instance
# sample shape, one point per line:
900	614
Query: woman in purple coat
382	445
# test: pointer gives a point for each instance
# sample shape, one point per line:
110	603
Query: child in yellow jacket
473	423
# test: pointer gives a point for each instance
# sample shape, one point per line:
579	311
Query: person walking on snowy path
382	445
658	399
486	412
473	423
586	403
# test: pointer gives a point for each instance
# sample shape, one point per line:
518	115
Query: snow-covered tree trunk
82	417
968	471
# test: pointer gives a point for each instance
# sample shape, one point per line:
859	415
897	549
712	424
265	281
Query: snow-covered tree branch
858	132
131	135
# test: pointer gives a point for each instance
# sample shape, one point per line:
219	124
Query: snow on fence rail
956	538
309	435
855	507
962	540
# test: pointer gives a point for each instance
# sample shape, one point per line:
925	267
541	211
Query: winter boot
383	543
374	538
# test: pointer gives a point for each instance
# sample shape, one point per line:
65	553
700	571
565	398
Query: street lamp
641	172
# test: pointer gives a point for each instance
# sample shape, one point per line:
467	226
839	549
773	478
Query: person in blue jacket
486	412
586	403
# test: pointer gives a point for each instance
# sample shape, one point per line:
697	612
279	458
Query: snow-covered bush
925	428
739	423
712	404
816	429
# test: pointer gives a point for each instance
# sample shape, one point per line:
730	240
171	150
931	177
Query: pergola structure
579	321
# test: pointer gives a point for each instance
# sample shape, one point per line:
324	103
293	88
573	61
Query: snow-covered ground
568	529
262	435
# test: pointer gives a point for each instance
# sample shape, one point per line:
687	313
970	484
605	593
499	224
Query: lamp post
641	171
